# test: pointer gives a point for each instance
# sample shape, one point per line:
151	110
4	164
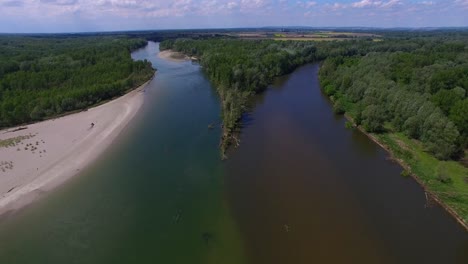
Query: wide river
300	189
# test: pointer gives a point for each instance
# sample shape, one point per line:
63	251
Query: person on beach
92	125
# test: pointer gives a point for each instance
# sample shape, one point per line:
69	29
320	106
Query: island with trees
240	69
406	90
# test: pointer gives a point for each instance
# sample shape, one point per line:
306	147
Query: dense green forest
414	101
409	92
42	77
241	68
420	92
411	84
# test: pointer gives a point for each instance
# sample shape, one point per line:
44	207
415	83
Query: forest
411	83
241	68
408	92
43	77
420	91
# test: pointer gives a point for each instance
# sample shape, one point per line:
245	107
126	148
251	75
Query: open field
311	39
306	35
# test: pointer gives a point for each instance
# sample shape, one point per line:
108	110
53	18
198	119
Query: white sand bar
52	151
173	56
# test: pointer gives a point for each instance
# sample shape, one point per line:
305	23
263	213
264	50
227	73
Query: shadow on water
304	189
247	120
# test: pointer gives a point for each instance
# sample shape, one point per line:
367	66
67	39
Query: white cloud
248	5
232	5
59	2
376	3
116	14
334	6
390	3
363	3
427	3
307	4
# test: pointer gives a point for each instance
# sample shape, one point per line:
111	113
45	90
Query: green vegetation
42	77
446	179
409	91
241	68
421	92
12	142
349	125
411	95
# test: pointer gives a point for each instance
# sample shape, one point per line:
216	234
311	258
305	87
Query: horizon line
237	28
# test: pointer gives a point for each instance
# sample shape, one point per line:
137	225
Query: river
300	189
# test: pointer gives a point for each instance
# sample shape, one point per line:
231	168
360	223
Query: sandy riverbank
47	153
173	56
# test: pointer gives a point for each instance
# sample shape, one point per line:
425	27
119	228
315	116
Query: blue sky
110	15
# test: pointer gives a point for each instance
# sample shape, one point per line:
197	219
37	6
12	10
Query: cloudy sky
109	15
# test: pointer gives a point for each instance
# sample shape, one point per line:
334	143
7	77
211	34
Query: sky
50	16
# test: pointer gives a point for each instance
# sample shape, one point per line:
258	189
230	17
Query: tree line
240	68
42	77
420	90
414	83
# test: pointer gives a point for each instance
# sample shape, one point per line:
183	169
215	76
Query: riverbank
38	157
411	157
174	56
326	173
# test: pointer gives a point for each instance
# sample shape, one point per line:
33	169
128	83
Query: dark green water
300	189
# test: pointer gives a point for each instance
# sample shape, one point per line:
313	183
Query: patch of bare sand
46	154
173	56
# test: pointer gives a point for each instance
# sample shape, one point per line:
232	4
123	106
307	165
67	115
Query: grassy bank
411	97
446	181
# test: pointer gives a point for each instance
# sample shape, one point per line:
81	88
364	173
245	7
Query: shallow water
300	189
157	195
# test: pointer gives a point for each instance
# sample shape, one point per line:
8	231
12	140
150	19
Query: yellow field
307	36
312	39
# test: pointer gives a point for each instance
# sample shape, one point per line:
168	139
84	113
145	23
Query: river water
300	189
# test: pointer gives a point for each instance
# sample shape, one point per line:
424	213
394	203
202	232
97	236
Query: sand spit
38	157
174	56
